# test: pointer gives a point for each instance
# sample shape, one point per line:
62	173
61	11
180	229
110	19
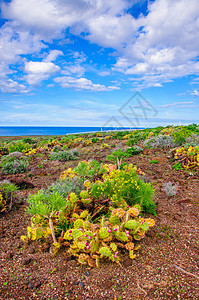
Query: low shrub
170	189
63	155
154	161
57	148
67	186
18	145
7	197
177	166
189	157
98	222
132	142
160	141
11	164
134	150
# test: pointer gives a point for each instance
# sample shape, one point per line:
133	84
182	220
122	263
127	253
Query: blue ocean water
26	131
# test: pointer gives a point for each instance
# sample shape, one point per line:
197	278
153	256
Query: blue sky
77	63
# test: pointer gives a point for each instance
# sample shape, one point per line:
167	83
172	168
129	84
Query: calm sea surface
24	131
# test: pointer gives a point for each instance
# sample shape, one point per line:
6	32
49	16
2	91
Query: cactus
129	246
84	214
131	224
76	233
144	226
83	258
55	248
86	201
84	194
75	216
134	212
36	233
103	233
87	183
113	247
73	198
67	235
78	223
121	236
150	221
118	212
106	252
114	220
94	245
131	254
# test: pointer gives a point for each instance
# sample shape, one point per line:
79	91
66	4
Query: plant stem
52	229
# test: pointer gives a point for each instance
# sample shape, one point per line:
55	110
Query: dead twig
140	286
141	289
188	273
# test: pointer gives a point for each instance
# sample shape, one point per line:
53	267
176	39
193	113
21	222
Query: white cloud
104	73
157	48
36	67
52	56
73	69
177	104
167	46
39	71
11	86
82	84
195	93
113	32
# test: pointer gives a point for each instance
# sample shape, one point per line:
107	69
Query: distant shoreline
18	131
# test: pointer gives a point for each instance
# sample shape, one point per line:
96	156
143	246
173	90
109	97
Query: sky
100	63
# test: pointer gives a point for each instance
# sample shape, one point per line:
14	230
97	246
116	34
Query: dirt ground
166	266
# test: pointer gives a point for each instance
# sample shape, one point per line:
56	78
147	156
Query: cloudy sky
92	62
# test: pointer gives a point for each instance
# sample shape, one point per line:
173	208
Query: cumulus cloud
73	69
11	86
195	93
104	73
82	84
167	46
52	56
156	48
39	71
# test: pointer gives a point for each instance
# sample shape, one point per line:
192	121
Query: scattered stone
147	152
31	250
26	261
30	285
148	286
9	255
107	284
127	262
87	273
37	284
162	234
81	284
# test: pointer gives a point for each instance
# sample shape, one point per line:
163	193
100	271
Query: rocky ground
166	266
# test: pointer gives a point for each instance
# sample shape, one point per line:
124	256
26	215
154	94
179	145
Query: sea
37	131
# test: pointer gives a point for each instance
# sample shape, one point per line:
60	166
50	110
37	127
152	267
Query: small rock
32	250
9	255
81	284
87	273
127	262
151	234
162	234
148	286
37	284
26	261
30	285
